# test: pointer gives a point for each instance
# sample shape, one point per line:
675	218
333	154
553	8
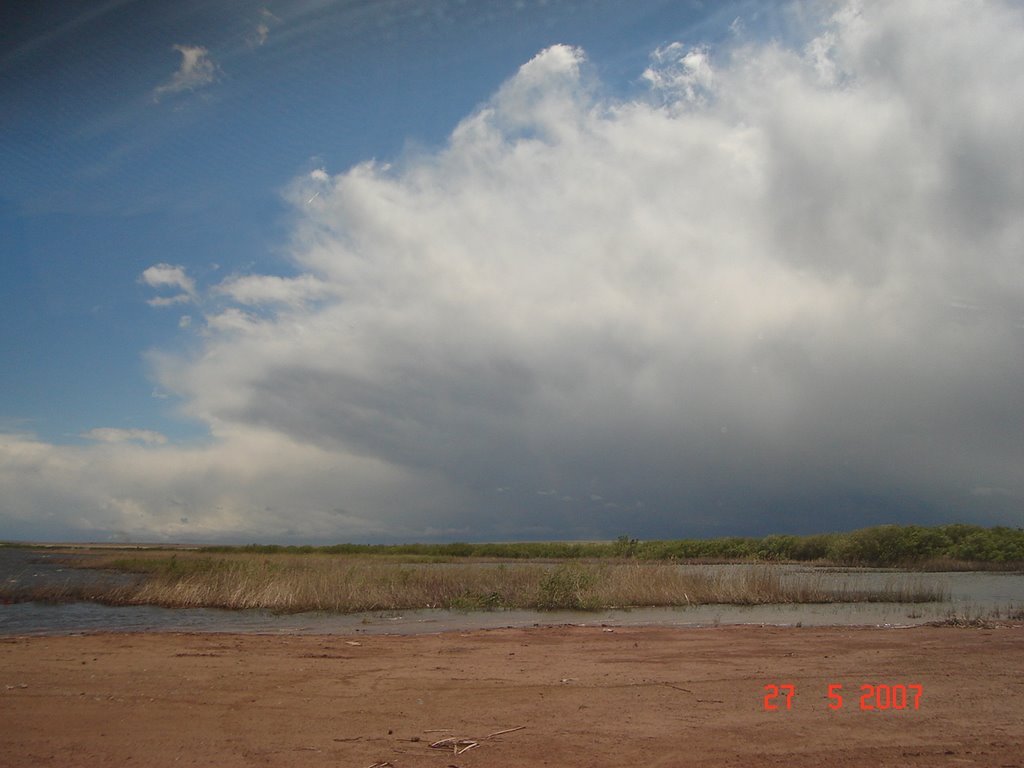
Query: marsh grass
293	583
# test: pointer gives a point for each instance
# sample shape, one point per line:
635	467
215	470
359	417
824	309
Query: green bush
568	587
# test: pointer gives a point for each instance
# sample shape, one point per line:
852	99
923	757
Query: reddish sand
585	696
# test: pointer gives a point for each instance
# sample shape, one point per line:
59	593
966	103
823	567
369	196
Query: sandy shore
585	696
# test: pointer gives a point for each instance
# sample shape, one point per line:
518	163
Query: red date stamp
871	696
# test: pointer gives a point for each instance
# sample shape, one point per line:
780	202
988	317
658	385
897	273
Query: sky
311	271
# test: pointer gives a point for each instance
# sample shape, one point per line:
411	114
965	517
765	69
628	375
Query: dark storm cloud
785	292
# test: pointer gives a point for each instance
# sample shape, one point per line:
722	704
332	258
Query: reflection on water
971	594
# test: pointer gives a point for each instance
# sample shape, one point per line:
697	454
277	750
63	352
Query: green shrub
568	586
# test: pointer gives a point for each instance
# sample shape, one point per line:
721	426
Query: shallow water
28	568
973	594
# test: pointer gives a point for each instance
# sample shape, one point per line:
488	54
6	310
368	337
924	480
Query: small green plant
491	601
569	587
625	546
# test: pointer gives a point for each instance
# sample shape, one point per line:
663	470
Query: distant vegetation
941	547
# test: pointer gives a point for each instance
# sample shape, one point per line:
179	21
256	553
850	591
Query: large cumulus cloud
781	288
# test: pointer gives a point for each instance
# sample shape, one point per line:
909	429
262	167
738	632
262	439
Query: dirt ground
583	696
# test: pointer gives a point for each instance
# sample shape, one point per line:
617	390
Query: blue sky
105	174
396	271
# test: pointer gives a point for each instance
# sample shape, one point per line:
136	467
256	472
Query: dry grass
293	583
748	585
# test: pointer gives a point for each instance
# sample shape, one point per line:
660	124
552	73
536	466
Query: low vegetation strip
294	583
944	547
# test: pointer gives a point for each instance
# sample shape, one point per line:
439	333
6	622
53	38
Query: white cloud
197	70
169	301
270	289
729	297
248	483
232	320
163	275
262	32
681	75
263	26
115	435
169	276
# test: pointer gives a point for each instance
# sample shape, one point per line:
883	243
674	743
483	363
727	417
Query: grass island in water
539	575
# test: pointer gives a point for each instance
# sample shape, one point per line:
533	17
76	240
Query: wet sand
585	696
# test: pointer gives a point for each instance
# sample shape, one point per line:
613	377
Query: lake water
973	594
